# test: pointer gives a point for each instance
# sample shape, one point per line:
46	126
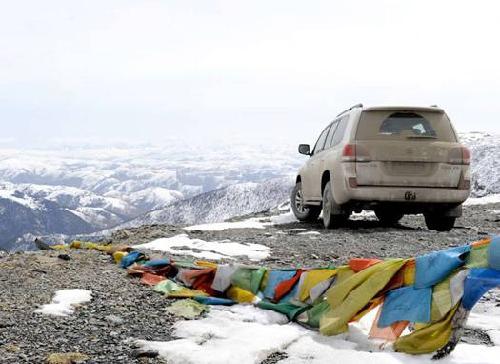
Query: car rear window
401	125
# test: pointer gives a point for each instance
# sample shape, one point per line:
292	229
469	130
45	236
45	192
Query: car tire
331	220
301	211
388	218
439	222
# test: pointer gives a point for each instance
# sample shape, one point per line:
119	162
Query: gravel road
121	308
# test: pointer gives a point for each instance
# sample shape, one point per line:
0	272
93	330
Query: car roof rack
352	107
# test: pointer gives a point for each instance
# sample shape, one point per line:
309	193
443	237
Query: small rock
67	358
64	257
41	245
145	353
114	320
11	348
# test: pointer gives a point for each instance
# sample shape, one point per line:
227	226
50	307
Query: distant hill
220	204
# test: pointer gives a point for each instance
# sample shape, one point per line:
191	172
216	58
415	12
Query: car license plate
410	196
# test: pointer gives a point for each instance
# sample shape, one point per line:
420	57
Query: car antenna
352	107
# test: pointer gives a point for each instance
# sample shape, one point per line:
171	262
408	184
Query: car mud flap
453	212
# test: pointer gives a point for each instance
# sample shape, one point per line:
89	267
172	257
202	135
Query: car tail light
349	153
459	156
355	153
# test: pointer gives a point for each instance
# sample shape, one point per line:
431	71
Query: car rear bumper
409	195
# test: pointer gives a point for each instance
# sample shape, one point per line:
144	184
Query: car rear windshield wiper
421	137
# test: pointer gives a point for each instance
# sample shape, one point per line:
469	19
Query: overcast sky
151	69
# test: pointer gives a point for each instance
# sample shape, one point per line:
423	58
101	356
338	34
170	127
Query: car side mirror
305	149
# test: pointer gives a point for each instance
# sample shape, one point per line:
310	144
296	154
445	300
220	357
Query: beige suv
392	160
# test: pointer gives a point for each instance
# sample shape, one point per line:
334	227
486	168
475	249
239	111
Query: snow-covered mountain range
75	189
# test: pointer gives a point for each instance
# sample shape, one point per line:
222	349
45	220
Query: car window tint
400	122
333	128
339	133
321	141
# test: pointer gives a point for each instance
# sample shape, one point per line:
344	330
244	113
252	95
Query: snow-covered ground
64	300
183	245
247	335
486	316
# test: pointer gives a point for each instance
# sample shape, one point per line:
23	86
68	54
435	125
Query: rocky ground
309	245
121	308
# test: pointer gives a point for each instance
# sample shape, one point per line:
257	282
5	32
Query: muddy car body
393	160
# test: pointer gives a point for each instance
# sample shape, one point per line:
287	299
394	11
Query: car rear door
407	148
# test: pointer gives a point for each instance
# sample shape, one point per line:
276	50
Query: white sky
150	69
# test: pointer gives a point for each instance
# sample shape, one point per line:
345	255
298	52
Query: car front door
310	172
323	157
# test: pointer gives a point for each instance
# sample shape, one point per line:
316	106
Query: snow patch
17	197
253	223
241	334
282	219
494	198
317	349
63	301
363	215
183	245
312	232
486	316
247	335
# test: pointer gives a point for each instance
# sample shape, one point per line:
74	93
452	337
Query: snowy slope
17	219
150	198
98	211
485	169
221	204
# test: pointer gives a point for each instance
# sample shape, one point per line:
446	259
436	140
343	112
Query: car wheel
331	220
388	218
439	222
301	211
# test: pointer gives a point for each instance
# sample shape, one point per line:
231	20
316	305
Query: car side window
339	133
333	128
321	141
